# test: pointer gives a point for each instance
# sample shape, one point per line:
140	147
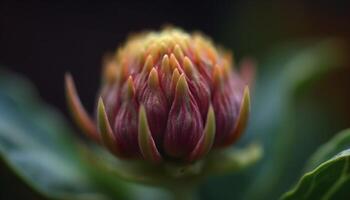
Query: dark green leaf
38	145
339	143
330	180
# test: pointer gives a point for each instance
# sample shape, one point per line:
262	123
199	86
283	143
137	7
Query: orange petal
83	120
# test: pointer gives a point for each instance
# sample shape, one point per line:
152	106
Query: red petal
185	125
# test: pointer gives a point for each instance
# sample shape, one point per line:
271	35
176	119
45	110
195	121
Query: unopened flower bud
167	95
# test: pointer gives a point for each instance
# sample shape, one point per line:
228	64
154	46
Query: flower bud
166	96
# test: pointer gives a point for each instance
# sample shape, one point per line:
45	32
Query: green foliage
329	180
37	144
340	142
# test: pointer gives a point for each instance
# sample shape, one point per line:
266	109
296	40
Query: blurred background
42	40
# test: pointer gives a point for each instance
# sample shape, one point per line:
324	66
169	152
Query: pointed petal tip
217	76
178	52
146	143
67	76
100	106
148	63
153	79
104	127
69	83
246	97
188	66
242	118
101	115
207	140
78	112
174	63
162	48
166	63
181	86
175	76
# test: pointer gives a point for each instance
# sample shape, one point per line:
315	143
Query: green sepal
105	129
146	143
232	160
207	140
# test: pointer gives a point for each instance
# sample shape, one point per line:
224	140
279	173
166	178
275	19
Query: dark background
43	40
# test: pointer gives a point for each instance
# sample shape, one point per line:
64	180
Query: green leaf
331	179
277	115
339	143
38	146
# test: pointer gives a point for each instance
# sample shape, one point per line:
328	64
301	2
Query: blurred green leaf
233	160
276	114
329	180
339	143
37	144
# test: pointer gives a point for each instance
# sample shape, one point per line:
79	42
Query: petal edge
78	112
146	143
206	142
106	132
242	118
